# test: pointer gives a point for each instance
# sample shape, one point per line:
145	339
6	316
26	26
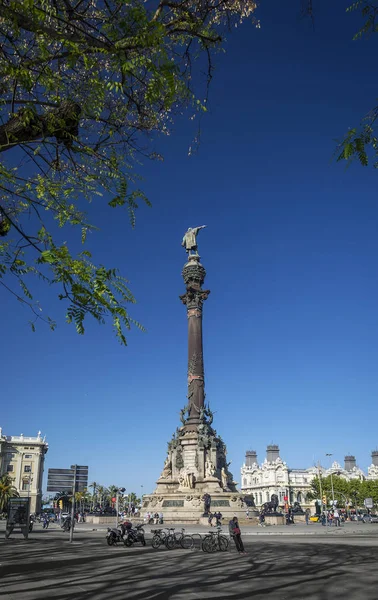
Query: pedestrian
218	517
235	533
247	513
46	521
262	519
161	518
307	516
336	518
211	519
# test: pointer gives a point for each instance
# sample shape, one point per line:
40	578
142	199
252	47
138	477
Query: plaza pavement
302	564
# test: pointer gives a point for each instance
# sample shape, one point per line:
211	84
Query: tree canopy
352	492
84	85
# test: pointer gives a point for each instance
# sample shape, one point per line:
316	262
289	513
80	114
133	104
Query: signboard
369	502
18	511
81	477
62	480
18	516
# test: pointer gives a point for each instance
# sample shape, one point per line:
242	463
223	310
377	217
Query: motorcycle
135	535
115	535
66	525
31	523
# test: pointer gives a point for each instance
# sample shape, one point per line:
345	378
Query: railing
23	438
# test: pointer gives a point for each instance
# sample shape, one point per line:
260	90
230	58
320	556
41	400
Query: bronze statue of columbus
189	241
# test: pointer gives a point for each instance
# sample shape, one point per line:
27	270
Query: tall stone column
194	297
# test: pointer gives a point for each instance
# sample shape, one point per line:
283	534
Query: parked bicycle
214	541
171	538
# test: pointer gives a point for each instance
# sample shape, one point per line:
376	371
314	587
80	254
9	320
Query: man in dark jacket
235	533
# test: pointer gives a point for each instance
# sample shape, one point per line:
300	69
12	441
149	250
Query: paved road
336	566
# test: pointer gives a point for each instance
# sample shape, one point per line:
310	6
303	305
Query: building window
9	468
28	456
25	485
27	469
245	482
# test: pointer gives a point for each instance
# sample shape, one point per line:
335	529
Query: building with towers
274	476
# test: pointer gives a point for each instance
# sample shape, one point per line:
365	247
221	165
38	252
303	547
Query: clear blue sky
291	325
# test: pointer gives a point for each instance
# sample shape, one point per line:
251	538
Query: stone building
273	476
22	458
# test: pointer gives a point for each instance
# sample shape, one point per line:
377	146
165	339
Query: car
64	515
370	518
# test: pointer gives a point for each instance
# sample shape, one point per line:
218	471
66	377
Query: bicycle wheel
178	537
156	542
207	544
187	542
170	542
223	543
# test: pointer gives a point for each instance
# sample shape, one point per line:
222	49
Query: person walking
235	533
307	516
336	518
262	519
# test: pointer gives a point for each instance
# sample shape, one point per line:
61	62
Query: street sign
369	502
81	477
62	480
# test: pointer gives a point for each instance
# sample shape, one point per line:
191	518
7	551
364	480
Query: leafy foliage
84	85
7	491
362	143
352	492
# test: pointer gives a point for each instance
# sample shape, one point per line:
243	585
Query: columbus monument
196	478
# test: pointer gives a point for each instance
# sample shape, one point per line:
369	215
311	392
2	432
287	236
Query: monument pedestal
188	508
275	519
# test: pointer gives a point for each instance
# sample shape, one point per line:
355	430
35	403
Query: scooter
66	525
31	523
116	535
135	535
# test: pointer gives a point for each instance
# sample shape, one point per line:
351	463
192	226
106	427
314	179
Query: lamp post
117	503
141	498
333	495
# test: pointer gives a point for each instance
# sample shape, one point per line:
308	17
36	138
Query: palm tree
81	498
94	486
7	491
100	492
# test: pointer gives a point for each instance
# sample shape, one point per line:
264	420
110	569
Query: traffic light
324	499
60	503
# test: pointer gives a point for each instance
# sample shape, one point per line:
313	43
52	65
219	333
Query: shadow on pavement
90	570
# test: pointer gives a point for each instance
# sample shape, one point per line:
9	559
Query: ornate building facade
273	476
22	458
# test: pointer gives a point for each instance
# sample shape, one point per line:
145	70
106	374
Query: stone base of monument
189	507
274	519
299	518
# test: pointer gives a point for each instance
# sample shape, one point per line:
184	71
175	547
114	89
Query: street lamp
118	490
333	495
